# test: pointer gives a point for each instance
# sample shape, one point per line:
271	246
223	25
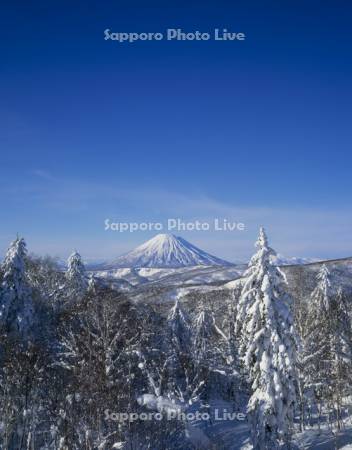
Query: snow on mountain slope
168	251
280	260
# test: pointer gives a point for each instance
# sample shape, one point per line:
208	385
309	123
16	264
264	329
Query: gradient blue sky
257	131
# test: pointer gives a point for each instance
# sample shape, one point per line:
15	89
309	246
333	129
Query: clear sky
256	131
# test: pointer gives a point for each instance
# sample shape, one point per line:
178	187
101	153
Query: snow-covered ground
183	276
325	439
233	434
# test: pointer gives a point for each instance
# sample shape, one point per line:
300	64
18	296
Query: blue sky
256	131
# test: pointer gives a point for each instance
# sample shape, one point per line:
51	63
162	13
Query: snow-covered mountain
165	251
280	260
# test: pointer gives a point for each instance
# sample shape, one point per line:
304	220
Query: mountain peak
163	237
167	250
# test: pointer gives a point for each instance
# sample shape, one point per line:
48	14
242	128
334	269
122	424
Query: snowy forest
82	364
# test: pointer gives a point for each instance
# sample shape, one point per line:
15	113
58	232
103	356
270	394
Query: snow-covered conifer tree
181	370
322	294
341	349
92	284
317	358
16	305
270	350
251	289
327	356
179	325
75	275
203	331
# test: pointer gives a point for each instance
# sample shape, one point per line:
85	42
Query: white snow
160	404
166	250
280	260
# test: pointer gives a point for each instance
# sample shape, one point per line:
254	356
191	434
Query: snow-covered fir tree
203	332
322	294
251	290
92	285
317	359
180	328
46	279
341	349
16	303
327	352
343	342
182	374
270	350
77	282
